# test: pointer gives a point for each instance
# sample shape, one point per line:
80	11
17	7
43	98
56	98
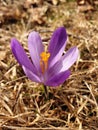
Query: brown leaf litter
74	104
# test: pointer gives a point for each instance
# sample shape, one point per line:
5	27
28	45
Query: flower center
44	61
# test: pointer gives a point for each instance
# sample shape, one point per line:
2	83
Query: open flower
49	67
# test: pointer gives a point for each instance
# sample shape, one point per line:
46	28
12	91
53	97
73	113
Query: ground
74	104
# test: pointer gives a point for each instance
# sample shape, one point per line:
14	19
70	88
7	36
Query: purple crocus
50	67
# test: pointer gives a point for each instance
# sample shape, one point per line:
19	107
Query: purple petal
35	48
58	79
69	58
55	69
20	55
65	62
57	45
31	75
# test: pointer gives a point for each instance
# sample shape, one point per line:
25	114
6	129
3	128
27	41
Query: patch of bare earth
74	104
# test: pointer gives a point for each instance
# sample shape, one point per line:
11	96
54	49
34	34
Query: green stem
46	92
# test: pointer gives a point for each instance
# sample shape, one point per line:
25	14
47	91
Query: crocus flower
50	67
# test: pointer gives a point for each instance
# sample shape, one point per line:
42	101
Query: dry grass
71	106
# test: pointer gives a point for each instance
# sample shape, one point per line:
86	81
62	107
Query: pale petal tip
33	34
76	51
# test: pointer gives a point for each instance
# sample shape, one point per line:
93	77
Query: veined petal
65	62
57	45
55	69
69	58
31	75
20	55
58	79
36	48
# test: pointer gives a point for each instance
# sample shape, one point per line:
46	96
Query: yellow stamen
45	56
44	61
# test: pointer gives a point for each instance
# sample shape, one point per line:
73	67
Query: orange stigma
44	61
